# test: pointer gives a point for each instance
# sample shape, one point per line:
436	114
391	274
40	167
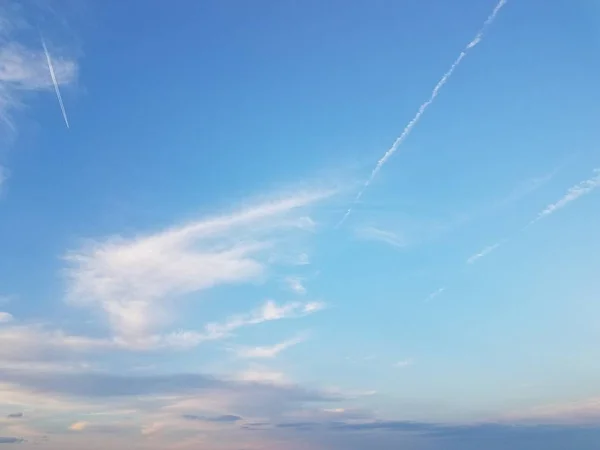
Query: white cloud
78	426
152	428
268	312
303	259
27	344
435	293
295	284
132	280
580	189
6	317
25	69
486	251
585	411
404	363
377	234
36	347
260	375
269	351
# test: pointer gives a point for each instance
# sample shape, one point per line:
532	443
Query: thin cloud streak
24	69
55	83
434	294
270	351
574	192
486	251
213	331
524	189
436	90
377	234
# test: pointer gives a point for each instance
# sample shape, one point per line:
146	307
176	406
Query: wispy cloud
25	69
6	317
577	412
575	192
296	285
435	293
486	251
30	343
525	188
193	389
269	351
36	346
579	190
55	82
436	90
379	235
404	363
268	312
3	177
131	280
261	375
78	426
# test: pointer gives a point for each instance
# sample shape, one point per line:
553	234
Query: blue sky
300	225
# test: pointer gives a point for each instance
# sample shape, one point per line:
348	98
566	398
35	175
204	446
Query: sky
317	224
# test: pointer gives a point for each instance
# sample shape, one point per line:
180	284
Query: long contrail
51	68
436	90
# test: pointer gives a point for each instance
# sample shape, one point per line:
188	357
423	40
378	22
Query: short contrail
51	68
436	90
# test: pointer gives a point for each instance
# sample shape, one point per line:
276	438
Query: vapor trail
436	90
54	82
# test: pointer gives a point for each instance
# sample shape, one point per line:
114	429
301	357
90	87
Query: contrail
436	90
60	102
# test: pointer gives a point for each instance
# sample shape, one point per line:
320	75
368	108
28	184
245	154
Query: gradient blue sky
178	267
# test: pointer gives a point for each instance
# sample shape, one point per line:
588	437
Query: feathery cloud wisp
377	234
270	351
132	281
268	312
295	284
574	192
23	69
31	343
435	293
404	363
261	375
582	411
436	90
6	317
54	82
